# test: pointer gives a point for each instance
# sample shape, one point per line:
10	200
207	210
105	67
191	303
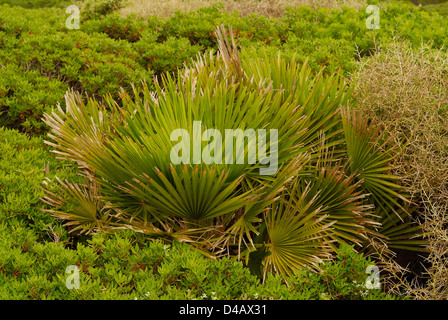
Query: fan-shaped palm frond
296	234
370	155
87	212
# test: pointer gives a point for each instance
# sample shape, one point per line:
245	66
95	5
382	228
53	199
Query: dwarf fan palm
295	212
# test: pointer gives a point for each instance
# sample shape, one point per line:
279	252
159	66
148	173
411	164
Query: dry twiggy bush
273	8
404	90
435	224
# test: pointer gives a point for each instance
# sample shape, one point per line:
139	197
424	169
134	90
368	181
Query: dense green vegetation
43	58
35	251
36	3
333	195
127	266
24	164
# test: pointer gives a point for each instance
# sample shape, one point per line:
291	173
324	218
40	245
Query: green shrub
197	26
15	21
168	56
125	266
341	279
25	95
92	9
116	27
36	3
440	8
47	55
38	67
24	164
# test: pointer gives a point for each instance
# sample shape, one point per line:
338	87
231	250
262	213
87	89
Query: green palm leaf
86	210
370	155
295	234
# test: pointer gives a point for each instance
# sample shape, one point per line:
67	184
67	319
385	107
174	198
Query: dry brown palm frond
228	50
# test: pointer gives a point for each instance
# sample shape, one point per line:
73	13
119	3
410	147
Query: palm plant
290	218
370	155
